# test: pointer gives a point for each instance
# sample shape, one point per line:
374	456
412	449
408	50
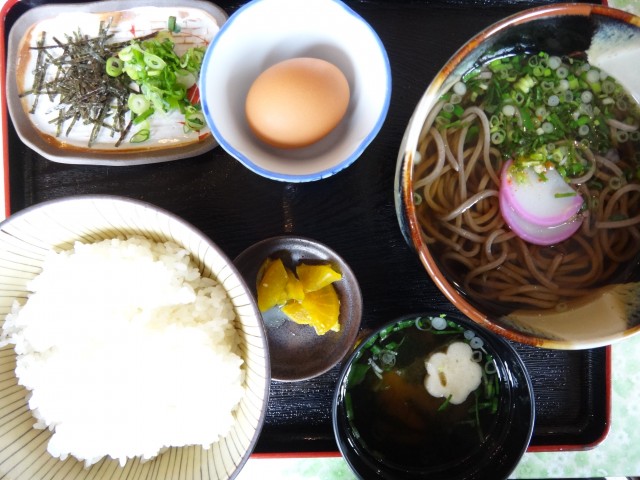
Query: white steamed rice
126	350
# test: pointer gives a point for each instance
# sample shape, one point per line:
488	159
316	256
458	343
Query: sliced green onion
497	137
547	85
141	135
608	87
554	62
138	103
460	88
587	109
519	98
195	120
114	67
547	127
143	116
615	183
622	136
438	323
185	78
621	103
154	61
509	110
586	96
525	84
388	359
490	367
593	75
562	72
126	53
583	130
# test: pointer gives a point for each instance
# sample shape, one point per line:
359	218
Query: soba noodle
456	183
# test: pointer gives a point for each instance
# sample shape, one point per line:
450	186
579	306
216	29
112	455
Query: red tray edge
330	454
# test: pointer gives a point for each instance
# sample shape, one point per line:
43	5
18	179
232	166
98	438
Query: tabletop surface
611	457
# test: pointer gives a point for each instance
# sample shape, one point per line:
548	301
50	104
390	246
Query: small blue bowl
265	32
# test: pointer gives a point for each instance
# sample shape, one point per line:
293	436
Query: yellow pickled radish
295	290
296	312
272	286
308	298
320	309
315	277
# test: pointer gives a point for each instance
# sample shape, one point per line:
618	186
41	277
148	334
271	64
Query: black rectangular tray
352	212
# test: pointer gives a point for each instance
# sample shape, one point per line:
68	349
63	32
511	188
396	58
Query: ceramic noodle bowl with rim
433	396
534	232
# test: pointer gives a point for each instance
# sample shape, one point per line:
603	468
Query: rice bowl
221	435
146	326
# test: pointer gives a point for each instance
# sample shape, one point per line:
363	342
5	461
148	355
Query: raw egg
297	102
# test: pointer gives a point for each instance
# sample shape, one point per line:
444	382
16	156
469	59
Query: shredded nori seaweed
86	93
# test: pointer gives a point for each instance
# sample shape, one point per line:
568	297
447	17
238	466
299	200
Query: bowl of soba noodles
518	177
433	396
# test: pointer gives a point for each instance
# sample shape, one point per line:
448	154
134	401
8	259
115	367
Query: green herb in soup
527	182
536	103
407	400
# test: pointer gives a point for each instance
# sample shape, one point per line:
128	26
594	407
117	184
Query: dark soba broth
391	415
549	112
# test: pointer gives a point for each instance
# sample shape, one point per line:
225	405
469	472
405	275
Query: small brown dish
296	351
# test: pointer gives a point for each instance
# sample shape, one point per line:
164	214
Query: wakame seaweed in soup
392	415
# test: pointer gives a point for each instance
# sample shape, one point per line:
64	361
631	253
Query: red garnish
193	94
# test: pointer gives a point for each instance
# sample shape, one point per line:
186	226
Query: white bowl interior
265	32
24	240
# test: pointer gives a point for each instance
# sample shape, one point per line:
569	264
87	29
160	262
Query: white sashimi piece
198	28
532	210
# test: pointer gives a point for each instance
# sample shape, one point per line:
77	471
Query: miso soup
391	413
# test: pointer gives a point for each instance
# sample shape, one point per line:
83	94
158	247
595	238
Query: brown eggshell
297	102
